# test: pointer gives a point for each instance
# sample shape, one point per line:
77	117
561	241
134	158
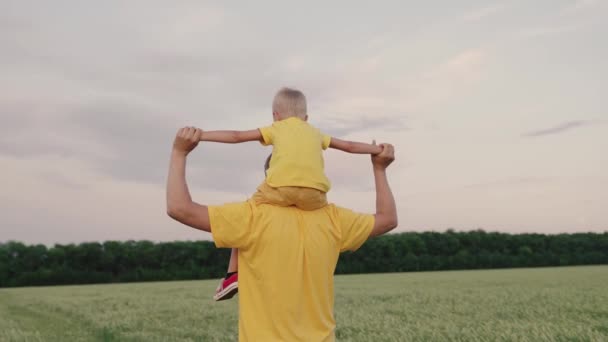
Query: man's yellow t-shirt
287	259
297	154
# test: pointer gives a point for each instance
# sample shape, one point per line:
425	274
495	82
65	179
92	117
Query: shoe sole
227	293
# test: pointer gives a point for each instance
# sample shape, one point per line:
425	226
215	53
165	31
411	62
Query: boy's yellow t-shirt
297	154
287	258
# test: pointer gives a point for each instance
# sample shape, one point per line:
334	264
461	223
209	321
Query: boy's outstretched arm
354	147
232	137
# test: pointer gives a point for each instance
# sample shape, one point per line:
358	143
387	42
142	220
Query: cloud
343	127
115	103
513	181
563	127
455	75
92	96
540	31
575	16
577	6
483	12
129	142
38	209
464	61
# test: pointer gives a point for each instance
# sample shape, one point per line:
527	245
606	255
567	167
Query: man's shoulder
334	208
270	209
232	208
263	208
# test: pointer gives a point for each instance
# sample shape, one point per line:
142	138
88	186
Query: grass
543	304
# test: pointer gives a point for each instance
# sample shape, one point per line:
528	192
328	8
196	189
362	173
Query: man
287	256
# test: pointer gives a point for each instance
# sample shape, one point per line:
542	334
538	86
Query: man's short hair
289	102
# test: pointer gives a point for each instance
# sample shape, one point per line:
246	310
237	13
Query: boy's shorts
286	196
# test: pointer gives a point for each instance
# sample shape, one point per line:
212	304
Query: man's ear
306	117
275	116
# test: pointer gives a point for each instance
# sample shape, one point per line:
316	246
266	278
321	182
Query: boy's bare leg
233	264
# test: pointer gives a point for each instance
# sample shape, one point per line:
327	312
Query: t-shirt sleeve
231	224
355	228
267	135
326	141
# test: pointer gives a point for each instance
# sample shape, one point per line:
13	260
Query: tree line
133	261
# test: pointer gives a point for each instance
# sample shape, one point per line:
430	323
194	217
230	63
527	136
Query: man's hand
187	139
382	160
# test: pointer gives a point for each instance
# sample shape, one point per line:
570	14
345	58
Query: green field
548	304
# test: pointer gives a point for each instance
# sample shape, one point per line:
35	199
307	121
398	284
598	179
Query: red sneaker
227	288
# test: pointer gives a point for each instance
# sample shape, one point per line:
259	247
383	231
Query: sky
495	108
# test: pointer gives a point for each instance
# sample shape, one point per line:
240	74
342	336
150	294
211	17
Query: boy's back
297	158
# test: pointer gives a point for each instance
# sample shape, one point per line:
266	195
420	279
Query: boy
295	174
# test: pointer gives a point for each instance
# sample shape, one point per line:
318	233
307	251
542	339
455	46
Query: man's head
289	103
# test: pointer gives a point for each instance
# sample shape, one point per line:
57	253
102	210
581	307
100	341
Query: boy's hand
385	158
187	139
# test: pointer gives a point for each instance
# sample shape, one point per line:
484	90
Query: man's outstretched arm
180	206
386	210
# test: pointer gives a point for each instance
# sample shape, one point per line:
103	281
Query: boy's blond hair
289	102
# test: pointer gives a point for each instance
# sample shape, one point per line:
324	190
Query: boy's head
288	103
